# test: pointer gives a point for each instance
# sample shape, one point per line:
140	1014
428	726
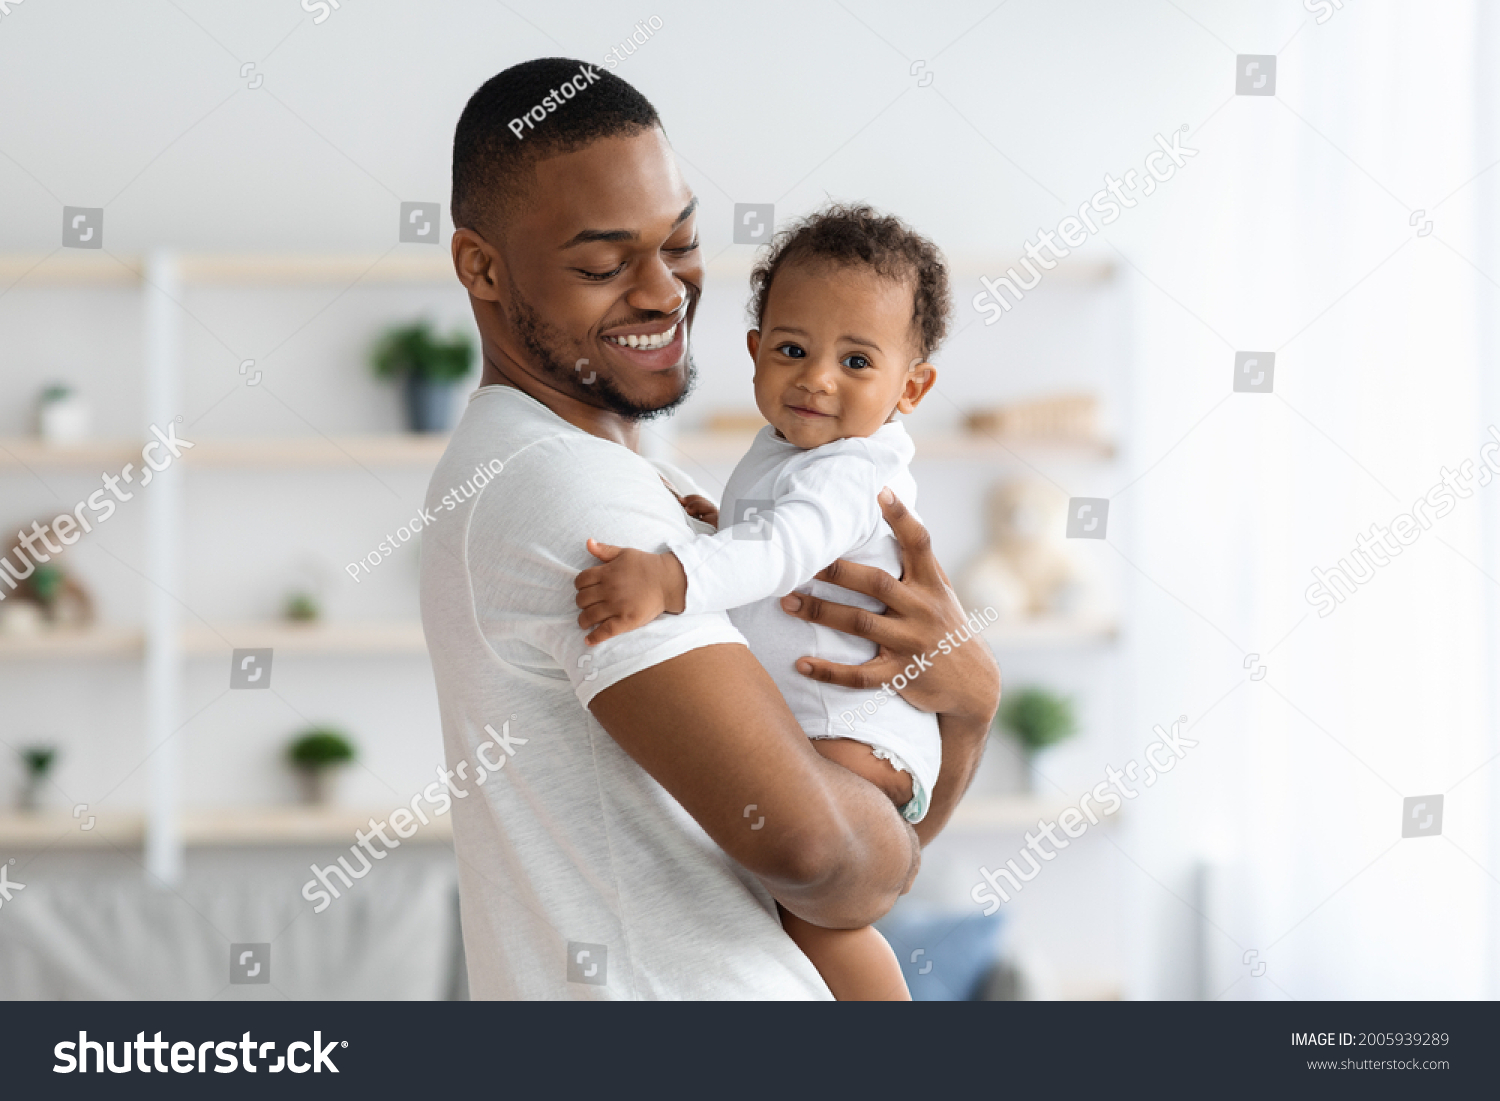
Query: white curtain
1275	847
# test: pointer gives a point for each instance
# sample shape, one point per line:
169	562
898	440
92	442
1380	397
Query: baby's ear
920	375
752	341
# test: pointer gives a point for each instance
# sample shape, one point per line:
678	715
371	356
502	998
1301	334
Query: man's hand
962	684
631	589
701	508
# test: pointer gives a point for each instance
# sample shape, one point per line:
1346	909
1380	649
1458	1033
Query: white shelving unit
165	644
244	826
248	453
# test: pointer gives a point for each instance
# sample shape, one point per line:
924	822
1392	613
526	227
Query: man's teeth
659	340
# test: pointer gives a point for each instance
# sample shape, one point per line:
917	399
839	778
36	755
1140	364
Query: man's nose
658	289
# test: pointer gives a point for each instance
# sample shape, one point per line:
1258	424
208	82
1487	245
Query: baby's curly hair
856	235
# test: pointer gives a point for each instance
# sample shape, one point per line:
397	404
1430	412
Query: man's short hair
531	111
856	235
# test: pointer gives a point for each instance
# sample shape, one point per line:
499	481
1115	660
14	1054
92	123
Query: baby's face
835	355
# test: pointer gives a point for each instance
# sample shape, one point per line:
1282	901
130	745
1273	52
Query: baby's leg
857	964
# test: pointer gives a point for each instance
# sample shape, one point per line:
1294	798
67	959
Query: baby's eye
791	351
856	361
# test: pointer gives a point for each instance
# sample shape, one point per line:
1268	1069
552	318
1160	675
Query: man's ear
919	379
752	341
478	265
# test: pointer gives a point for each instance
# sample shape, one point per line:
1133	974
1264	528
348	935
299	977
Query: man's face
605	273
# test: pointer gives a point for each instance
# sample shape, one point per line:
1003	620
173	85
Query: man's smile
654	346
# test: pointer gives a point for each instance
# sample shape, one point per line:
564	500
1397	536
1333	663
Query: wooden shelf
236	826
1012	812
421	265
292	452
357	638
971	446
29	453
95	642
316	638
1049	633
310	451
728	447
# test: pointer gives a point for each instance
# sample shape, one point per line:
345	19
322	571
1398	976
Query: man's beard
542	342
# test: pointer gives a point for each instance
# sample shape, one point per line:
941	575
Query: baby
849	306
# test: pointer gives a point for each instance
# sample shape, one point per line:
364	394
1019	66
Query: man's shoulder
541	454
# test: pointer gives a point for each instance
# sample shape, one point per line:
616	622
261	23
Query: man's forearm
871	866
712	729
964	739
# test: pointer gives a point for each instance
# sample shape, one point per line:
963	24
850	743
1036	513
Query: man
625	814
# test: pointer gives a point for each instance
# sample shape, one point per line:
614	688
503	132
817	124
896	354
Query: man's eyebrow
687	212
847	338
590	236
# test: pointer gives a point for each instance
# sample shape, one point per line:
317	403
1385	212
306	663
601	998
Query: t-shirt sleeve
526	544
825	504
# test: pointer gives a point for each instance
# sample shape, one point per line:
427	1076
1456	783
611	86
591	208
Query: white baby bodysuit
786	514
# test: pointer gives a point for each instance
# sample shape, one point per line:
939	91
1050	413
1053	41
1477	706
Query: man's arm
711	728
962	685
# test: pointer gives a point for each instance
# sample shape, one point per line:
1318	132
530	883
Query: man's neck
596	422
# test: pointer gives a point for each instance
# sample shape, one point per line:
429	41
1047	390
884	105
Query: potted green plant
428	368
61	415
317	753
302	607
38	760
1038	719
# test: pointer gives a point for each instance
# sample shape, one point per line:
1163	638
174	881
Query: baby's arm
629	590
823	507
632	585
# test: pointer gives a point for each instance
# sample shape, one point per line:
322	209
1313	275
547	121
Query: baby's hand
701	508
631	589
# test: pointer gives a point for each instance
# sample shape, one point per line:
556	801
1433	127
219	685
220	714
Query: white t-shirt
579	875
786	514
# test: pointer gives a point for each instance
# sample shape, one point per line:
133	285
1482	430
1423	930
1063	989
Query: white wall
142	109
